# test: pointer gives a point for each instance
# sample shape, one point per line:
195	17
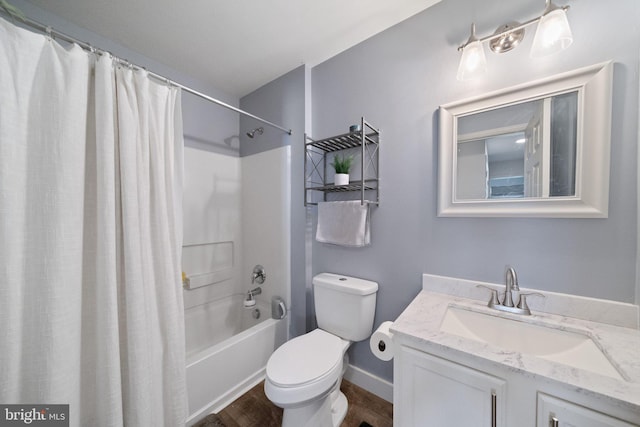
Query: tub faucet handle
258	275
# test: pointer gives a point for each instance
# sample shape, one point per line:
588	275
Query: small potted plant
342	164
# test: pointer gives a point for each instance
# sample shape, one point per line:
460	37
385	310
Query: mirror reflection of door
536	164
525	150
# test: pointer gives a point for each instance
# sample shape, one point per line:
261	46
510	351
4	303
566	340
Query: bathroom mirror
540	149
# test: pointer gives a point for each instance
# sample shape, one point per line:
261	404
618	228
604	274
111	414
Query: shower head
251	133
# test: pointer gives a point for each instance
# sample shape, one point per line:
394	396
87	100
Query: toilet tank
345	306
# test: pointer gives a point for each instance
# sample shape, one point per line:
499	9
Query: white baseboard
373	384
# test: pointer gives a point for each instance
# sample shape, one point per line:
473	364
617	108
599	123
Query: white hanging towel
343	223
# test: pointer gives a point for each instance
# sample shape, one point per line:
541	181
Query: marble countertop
419	327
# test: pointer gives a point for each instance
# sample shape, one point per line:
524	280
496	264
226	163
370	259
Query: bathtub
227	351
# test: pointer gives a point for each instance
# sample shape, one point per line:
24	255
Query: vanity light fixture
553	34
473	62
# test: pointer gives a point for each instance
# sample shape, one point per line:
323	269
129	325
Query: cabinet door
436	392
554	412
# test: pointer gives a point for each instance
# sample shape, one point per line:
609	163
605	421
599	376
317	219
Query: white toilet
304	374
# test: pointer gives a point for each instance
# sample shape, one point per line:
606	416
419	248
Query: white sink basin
569	348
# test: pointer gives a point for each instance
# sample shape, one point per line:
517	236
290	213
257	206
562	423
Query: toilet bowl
303	376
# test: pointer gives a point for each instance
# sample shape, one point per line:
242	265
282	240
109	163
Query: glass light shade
473	62
552	35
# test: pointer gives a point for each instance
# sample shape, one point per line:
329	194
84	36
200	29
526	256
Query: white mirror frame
591	200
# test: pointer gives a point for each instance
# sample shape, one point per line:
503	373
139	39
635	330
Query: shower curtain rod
87	46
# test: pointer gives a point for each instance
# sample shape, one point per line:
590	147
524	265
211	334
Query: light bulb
552	35
473	62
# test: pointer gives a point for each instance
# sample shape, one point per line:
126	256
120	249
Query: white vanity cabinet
453	390
554	412
431	391
461	363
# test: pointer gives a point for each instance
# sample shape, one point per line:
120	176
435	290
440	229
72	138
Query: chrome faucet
511	284
253	292
249	301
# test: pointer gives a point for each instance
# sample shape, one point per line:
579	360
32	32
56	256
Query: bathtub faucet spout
249	301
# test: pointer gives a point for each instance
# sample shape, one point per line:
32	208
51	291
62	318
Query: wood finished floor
253	409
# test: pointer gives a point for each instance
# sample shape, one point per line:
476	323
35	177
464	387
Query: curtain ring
124	63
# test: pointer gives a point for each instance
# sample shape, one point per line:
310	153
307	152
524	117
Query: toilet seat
304	367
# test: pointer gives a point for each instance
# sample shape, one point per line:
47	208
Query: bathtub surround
287	99
242	204
91	226
266	234
212	208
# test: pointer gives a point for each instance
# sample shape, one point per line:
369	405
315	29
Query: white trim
592	163
637	290
373	384
468	137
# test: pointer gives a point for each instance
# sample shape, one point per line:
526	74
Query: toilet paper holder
381	342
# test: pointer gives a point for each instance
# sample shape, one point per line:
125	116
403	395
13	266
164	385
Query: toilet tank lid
350	285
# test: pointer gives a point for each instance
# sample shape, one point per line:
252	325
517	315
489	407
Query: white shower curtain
91	311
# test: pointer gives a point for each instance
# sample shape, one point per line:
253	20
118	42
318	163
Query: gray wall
398	79
284	102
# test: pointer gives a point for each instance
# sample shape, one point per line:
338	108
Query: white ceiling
236	45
